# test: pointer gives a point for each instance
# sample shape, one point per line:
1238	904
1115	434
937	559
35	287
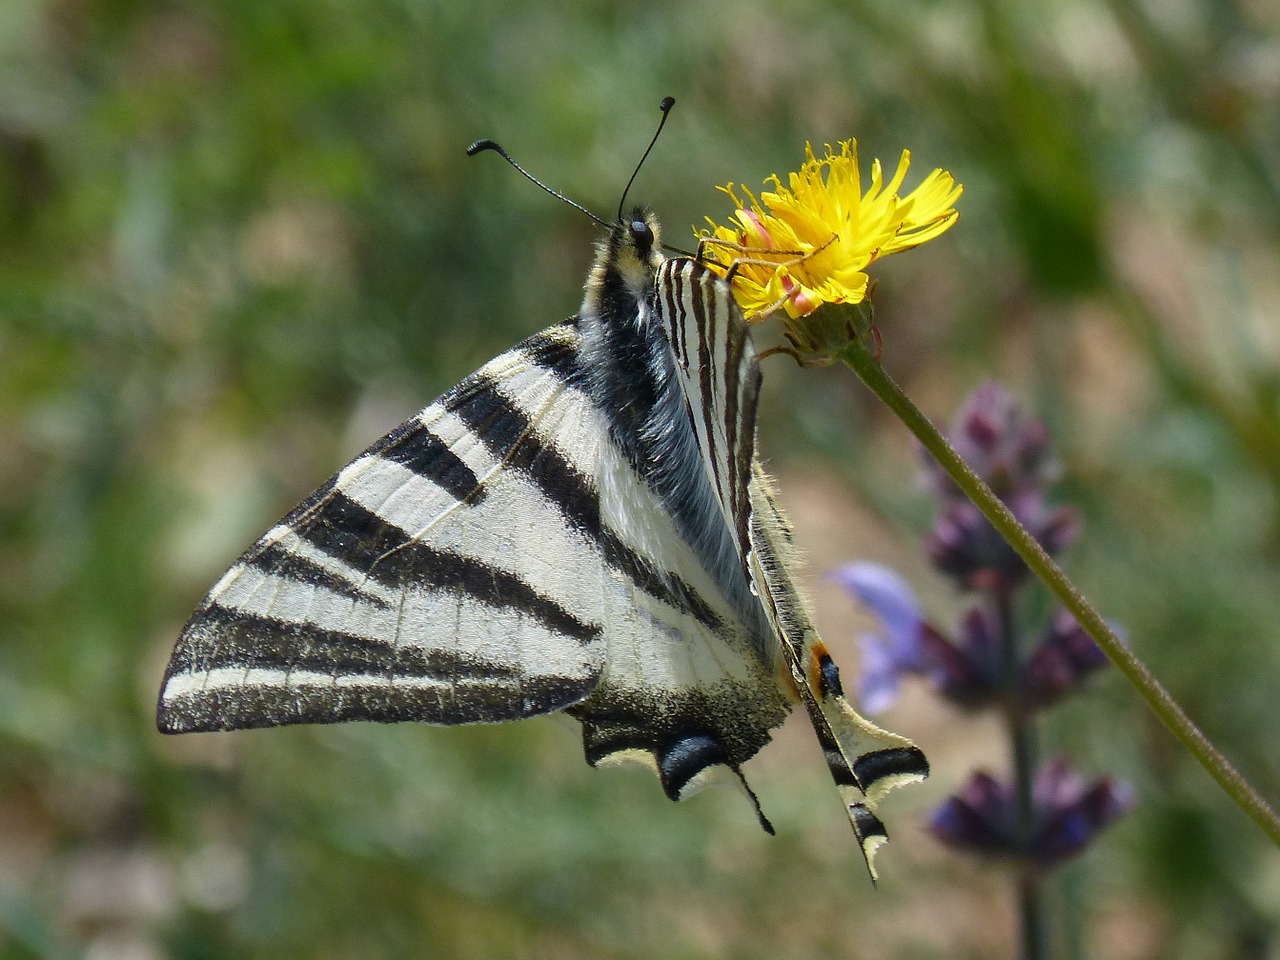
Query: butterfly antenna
665	106
481	145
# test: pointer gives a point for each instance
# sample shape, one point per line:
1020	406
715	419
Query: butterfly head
640	233
626	262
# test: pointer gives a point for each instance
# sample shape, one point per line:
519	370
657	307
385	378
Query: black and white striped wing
720	377
450	573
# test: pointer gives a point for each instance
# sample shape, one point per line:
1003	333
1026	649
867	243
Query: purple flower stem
865	364
1032	913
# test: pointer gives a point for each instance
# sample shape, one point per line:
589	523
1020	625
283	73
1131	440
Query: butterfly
581	525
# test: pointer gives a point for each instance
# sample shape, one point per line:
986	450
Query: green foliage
239	240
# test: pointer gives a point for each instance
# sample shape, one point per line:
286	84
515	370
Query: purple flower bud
965	546
1071	812
1010	451
1061	662
1067	814
978	818
967	671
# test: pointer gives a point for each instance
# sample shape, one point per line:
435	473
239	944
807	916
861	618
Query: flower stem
864	363
1033	919
1035	940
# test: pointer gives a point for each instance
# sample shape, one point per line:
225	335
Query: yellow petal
807	243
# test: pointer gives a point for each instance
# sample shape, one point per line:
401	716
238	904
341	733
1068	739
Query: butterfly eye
642	234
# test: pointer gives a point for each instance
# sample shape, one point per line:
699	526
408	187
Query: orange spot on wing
820	654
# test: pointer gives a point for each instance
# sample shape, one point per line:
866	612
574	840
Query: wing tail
864	760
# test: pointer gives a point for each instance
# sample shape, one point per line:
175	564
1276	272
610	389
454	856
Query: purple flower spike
1067	815
1061	662
1008	449
897	649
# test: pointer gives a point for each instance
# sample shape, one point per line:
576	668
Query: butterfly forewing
495	557
434	578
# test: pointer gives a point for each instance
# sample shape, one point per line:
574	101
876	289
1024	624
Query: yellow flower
800	247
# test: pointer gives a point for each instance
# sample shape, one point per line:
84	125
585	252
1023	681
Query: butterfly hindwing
719	373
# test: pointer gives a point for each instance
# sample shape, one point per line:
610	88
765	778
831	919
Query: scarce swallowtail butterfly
581	525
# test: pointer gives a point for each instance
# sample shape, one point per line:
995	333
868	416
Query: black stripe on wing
363	540
322	676
889	764
413	445
251	641
868	828
276	559
510	436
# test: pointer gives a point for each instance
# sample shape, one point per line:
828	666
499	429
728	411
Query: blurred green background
239	240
